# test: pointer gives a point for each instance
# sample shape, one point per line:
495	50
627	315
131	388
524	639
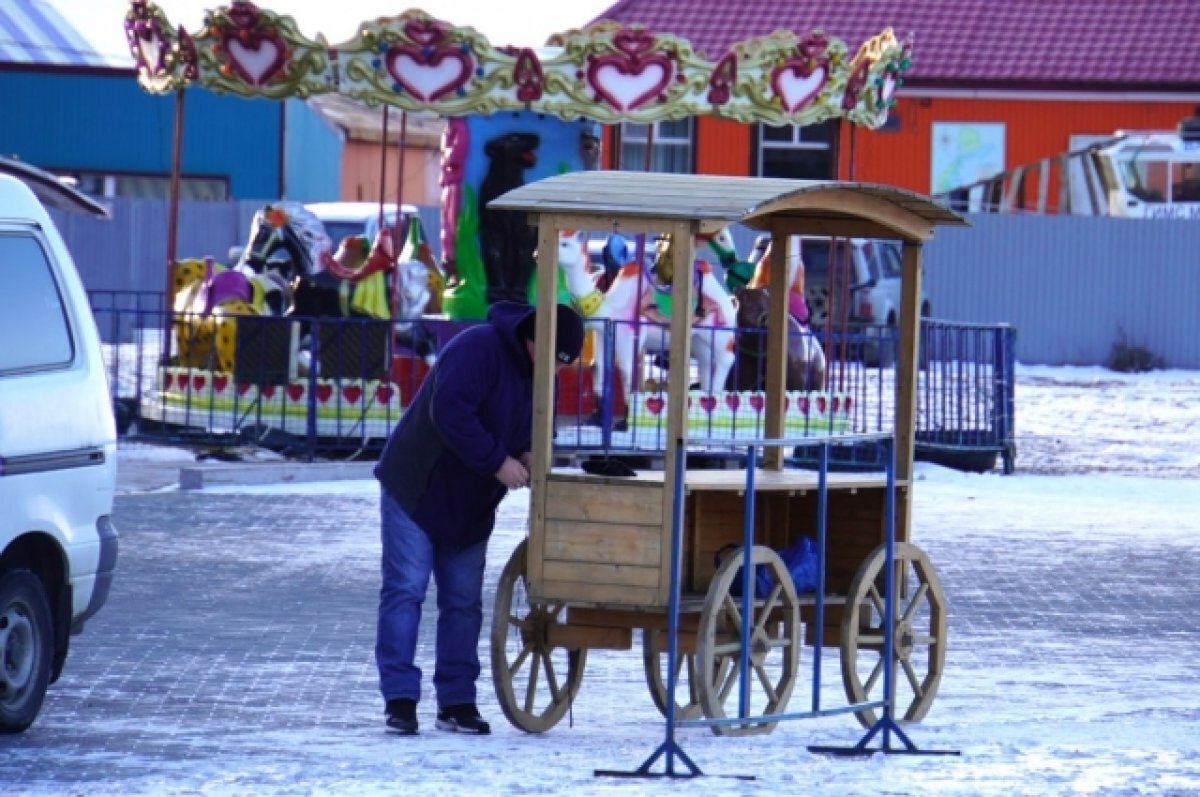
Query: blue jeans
409	557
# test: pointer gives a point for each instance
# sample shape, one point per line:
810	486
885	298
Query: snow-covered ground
1053	685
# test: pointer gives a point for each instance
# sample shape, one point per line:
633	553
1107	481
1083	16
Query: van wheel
26	649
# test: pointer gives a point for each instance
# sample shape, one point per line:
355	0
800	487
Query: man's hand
513	474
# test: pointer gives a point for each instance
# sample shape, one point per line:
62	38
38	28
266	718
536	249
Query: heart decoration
796	84
708	403
802	405
732	401
198	382
655	405
168	380
846	405
384	393
428	74
257	57
220	383
352	393
756	402
243	388
821	404
268	392
295	391
835	405
625	82
425	31
150	45
324	393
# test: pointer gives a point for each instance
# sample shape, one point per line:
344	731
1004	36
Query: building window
208	189
796	152
671	147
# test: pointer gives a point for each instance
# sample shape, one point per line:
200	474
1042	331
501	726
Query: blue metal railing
348	402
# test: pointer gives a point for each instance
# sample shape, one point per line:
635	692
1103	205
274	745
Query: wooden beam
678	381
906	362
777	331
1043	184
543	394
834	228
855	206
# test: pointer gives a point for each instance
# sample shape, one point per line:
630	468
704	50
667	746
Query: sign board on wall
964	153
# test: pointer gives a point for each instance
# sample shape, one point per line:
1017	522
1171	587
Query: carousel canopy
604	72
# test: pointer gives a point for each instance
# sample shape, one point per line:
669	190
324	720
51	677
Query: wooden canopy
811	206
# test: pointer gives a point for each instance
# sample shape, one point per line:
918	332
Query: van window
31	309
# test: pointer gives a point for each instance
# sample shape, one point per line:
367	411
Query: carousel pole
172	224
383	168
396	245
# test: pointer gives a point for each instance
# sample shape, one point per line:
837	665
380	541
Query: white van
58	546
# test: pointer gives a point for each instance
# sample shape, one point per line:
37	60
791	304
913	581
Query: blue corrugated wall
107	123
313	170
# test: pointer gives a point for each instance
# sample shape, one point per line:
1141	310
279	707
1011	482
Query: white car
342	219
58	445
865	299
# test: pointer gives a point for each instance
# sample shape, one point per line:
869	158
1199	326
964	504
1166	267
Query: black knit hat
569	339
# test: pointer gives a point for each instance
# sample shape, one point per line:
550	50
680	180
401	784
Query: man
461	445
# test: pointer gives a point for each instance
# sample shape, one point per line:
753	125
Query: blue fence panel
337	386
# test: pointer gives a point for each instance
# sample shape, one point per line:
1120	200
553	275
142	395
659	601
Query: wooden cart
597	564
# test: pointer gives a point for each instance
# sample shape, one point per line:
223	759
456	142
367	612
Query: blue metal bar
670	750
748	583
819	610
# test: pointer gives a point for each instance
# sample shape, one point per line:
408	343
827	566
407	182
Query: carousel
249	344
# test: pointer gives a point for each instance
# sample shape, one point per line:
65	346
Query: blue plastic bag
800	559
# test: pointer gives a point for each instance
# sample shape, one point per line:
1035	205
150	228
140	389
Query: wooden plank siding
602	544
722	147
1033	130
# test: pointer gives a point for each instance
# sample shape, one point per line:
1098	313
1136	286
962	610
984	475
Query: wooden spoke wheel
773	653
919	634
687	686
535	679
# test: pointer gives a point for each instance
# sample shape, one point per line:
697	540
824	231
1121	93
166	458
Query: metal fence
335	387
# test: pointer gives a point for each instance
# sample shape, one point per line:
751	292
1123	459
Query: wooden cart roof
820	206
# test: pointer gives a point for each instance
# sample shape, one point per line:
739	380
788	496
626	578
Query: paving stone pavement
236	618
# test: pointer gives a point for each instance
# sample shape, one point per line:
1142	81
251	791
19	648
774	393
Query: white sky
519	22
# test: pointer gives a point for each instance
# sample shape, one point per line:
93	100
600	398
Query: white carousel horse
640	325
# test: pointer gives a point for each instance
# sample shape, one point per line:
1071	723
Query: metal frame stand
885	727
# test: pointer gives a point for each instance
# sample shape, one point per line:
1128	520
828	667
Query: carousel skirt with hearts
217	401
743	413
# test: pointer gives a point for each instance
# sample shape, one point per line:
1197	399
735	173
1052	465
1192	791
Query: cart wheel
774	646
654	658
523	662
919	634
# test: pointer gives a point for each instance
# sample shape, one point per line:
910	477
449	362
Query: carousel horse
805	357
640	305
738	272
287	227
797	304
357	282
285	240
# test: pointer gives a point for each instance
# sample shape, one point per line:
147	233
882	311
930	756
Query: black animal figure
506	241
806	358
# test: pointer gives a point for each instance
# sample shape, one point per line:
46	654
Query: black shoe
462	718
402	716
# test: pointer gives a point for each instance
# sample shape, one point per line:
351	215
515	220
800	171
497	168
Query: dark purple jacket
474	408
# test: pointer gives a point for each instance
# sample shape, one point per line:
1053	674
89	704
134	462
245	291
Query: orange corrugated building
1028	79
